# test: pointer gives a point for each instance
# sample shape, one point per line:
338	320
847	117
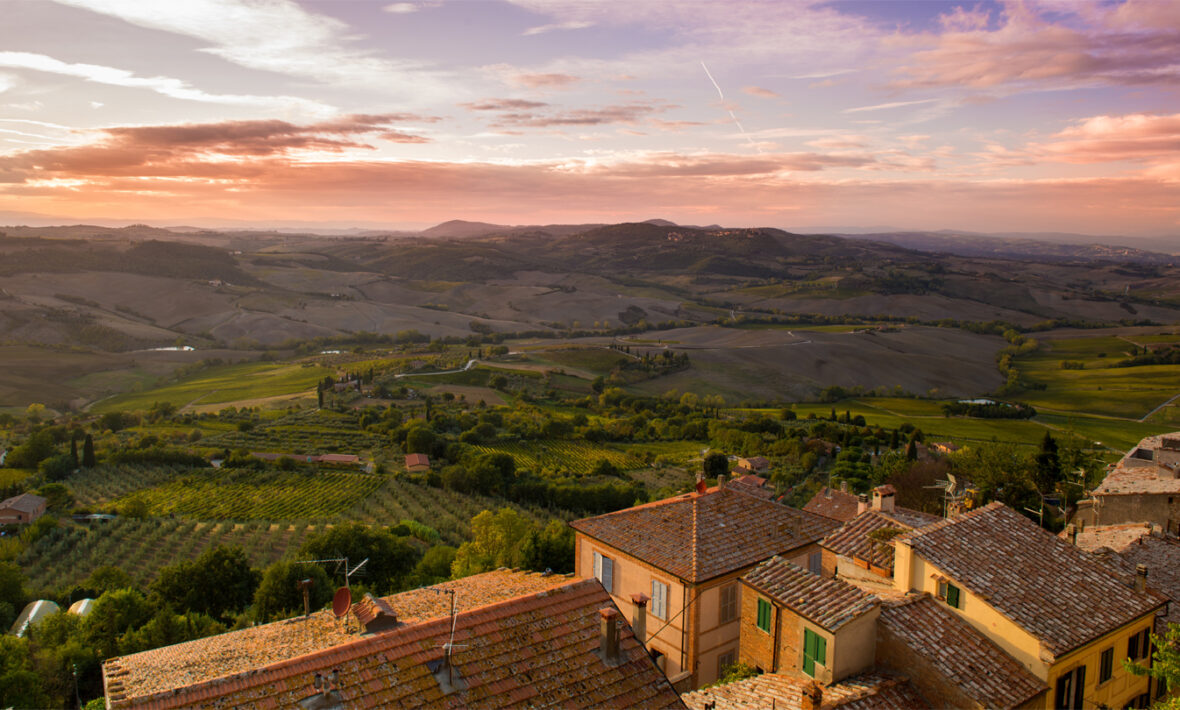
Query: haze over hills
114	290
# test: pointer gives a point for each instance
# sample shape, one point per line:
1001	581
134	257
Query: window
1070	687
815	650
659	600
949	593
660	658
815	563
764	615
724	661
1106	665
728	610
1139	645
604	571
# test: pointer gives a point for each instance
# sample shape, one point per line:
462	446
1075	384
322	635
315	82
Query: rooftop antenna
341	562
952	496
449	646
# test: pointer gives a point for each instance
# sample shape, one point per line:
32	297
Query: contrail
731	113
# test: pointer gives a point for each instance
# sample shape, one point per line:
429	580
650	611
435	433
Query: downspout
778	625
684	625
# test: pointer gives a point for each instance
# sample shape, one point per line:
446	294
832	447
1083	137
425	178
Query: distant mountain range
1053	246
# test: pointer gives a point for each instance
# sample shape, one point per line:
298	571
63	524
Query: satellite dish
341	602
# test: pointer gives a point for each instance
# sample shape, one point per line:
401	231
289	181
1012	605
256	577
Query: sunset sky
1054	115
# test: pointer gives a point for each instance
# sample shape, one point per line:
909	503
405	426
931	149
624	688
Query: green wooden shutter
952	595
764	615
815	650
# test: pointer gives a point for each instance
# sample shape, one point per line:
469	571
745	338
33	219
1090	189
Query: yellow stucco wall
912	572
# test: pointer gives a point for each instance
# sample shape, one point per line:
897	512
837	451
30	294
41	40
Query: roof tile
693	535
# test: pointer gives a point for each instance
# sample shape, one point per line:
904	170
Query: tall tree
88	458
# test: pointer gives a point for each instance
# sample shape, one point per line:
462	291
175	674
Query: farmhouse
517	639
417	462
685	555
1066	617
1144	486
22	509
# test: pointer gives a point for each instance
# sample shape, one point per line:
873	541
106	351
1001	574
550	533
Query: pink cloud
151	175
543	81
1024	48
760	92
503	105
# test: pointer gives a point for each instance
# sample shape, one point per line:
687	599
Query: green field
1098	389
580	457
141	547
600	360
927	415
252	495
10	476
224	384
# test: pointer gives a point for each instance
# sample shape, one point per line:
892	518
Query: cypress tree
88	458
74	450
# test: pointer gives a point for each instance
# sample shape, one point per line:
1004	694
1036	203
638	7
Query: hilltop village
725	598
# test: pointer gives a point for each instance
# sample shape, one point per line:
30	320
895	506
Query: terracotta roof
239	651
417	460
25	502
1051	589
834	504
964	657
1151	467
1137	480
538	649
1126	546
853	539
830	603
864	692
751	484
699	536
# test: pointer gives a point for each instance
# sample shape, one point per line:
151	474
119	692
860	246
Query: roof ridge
253	676
696	540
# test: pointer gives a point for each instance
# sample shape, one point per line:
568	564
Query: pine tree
88	458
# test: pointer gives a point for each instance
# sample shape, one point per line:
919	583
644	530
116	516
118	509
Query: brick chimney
813	697
608	640
884	498
721	479
1072	531
1140	578
862	503
639	620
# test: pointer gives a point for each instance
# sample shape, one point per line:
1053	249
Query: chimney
1072	530
701	485
639	620
883	498
608	641
843	486
813	697
721	478
862	503
1141	578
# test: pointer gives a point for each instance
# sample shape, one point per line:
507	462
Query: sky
1022	116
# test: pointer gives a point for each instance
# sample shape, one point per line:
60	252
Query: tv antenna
952	494
450	645
341	564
